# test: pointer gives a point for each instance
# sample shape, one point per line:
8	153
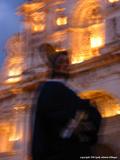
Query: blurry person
65	126
56	61
47	53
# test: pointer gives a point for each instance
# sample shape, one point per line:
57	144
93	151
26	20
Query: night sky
9	22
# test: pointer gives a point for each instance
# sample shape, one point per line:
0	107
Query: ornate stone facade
89	31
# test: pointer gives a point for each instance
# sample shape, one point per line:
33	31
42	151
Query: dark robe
65	126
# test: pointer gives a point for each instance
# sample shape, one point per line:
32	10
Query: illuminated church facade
89	30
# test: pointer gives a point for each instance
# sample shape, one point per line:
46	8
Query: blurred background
9	23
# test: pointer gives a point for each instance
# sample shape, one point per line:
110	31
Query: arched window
88	30
107	104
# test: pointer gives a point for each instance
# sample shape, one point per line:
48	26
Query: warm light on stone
96	42
38	27
111	1
4	146
85	40
37	21
78	59
10	133
88	33
14	138
6	129
62	21
14	75
107	105
60	49
38	16
14	69
31	7
118	111
15	135
60	9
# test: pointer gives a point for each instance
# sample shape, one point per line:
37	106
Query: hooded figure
65	126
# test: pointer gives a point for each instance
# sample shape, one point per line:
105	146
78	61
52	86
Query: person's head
57	61
61	65
47	51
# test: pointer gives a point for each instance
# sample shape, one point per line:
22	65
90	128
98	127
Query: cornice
29	82
95	63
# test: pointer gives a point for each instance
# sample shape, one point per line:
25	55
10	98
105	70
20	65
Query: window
9	136
62	20
38	21
88	31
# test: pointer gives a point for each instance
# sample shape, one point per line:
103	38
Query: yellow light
60	9
20	107
60	49
14	138
118	111
86	42
5	146
15	60
14	72
14	75
112	1
109	114
9	133
38	27
15	134
62	21
15	69
59	2
107	105
96	42
78	59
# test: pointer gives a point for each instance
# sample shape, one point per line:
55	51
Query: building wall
98	75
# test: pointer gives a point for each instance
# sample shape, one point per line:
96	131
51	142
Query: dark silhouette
65	126
58	61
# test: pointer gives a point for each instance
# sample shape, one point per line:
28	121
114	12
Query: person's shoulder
54	83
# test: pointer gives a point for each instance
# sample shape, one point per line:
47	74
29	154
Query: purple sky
9	22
